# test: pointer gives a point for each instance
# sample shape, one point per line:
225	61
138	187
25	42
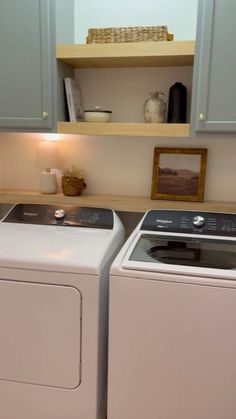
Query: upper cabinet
31	83
214	87
27	82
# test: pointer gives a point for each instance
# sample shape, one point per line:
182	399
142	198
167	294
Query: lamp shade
47	155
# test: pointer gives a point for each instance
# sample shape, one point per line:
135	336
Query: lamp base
48	183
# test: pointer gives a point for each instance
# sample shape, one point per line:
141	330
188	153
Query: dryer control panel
208	223
63	215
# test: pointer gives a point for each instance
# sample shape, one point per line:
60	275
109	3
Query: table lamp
47	158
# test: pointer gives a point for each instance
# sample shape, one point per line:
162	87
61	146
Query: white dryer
172	319
54	265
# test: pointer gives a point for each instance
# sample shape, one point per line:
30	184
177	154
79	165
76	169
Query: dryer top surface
59	247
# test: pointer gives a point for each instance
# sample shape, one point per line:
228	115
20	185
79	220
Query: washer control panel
208	223
65	215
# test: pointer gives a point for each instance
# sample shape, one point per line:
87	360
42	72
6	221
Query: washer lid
186	251
184	254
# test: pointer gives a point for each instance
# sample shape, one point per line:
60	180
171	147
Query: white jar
155	108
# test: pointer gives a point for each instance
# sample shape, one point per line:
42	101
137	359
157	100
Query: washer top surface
64	239
182	242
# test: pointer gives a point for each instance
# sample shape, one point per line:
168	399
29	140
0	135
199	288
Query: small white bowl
97	115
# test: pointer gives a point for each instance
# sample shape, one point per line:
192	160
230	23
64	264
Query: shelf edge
164	53
124	129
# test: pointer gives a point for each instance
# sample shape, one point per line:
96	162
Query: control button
59	214
198	221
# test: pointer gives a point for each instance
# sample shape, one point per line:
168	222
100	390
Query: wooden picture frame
179	174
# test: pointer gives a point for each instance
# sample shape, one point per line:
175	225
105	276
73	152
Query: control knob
59	214
198	221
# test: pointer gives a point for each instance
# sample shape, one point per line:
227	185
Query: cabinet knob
201	117
44	115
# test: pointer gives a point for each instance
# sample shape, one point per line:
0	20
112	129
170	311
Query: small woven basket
72	186
128	34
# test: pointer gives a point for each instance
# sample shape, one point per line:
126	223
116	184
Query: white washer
54	266
172	319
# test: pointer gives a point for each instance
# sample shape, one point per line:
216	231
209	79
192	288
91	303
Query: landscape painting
179	173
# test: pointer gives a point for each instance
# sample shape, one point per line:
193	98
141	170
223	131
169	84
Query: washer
172	319
54	266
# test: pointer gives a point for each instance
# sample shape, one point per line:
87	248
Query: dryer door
40	334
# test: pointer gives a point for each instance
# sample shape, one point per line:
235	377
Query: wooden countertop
118	203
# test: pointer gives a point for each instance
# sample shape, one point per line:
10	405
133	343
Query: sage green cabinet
214	87
28	65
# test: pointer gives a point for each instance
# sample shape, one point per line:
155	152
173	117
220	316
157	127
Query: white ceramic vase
155	108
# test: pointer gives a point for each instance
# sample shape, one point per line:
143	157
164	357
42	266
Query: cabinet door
27	53
214	87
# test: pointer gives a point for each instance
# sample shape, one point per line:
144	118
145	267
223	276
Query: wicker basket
72	186
129	34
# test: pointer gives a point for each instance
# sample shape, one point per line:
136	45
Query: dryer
54	265
172	319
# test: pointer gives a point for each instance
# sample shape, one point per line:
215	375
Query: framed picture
179	173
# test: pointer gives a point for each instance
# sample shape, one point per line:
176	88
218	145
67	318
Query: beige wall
120	165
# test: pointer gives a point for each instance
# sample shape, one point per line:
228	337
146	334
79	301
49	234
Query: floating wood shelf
141	54
133	54
118	203
124	129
